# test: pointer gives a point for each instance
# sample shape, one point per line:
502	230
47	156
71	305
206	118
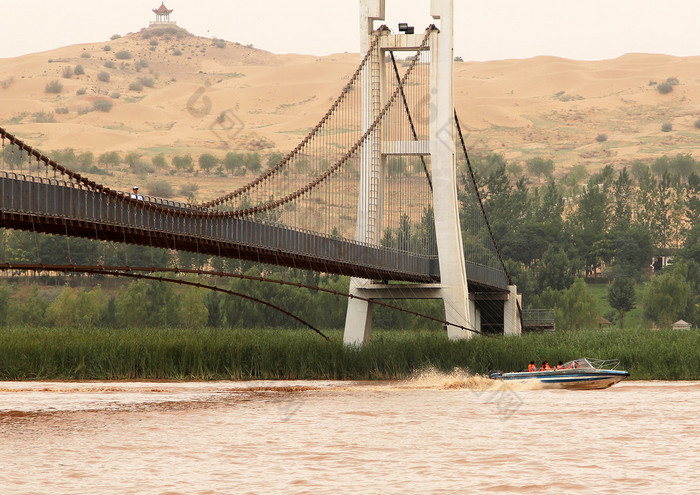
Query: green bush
177	52
664	88
80	91
43	117
122	55
601	138
109	158
159	161
61	110
136	86
697	123
540	167
189	189
54	87
115	94
102	104
141	64
115	37
86	55
110	64
673	81
666	127
107	48
103	76
79	70
67	72
160	188
153	42
147	81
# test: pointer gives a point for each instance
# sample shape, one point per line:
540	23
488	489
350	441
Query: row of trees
618	220
549	236
147	303
233	163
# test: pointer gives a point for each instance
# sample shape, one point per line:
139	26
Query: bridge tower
440	146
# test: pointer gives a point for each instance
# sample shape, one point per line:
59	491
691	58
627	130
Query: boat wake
459	378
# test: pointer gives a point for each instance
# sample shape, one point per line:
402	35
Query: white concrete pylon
452	289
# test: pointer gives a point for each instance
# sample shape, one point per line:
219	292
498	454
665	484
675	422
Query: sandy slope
543	106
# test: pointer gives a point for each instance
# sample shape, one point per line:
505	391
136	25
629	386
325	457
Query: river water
435	433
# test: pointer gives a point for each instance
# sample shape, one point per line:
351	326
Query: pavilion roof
162	9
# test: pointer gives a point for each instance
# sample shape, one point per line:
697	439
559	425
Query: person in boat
546	366
532	366
560	366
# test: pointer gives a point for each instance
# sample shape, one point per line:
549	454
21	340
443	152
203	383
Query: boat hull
576	379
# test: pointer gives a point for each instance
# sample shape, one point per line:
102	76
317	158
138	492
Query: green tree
13	155
576	308
85	160
252	162
682	165
109	158
274	159
158	161
591	220
60	312
192	307
207	161
234	162
621	296
540	167
5	295
183	163
77	307
666	297
631	249
132	159
30	310
555	270
622	198
147	304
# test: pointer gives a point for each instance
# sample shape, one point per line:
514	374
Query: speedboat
579	374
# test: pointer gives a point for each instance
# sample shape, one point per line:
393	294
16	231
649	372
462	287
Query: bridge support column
358	319
475	314
452	288
453	273
511	314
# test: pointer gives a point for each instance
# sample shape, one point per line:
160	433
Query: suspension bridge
381	190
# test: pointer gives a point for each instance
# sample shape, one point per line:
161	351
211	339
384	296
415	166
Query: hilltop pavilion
162	15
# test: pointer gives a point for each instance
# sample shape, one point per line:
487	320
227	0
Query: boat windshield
590	363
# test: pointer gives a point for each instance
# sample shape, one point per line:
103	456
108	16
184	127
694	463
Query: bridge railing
538	319
43	197
76	185
96	214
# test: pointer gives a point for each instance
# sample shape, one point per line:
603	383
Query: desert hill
167	88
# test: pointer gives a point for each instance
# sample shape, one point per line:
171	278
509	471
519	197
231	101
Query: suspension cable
410	118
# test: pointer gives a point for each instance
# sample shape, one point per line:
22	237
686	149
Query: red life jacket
531	367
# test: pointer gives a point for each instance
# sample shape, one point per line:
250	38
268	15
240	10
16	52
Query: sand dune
544	106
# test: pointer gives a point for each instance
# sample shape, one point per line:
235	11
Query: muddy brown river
435	433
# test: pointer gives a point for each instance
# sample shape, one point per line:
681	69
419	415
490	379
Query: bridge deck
53	206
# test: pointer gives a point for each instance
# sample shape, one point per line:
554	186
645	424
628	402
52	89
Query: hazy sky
485	30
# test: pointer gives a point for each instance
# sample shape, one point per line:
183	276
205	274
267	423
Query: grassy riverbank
207	354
